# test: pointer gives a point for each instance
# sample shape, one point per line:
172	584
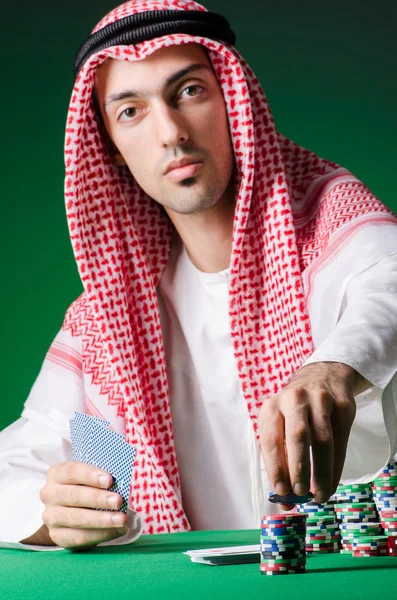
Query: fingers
297	439
83	538
313	418
71	492
82	518
342	420
79	473
80	496
322	442
273	448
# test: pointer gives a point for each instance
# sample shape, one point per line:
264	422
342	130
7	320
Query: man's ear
114	153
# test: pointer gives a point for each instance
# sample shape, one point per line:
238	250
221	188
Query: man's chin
189	182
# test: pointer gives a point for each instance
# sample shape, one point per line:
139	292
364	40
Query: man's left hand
316	409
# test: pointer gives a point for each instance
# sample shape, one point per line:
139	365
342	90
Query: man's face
173	110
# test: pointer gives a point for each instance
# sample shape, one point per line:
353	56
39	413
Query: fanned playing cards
93	442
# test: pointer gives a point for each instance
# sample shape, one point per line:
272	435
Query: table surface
155	567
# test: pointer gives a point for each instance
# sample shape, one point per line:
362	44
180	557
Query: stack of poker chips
354	520
322	529
372	545
355	533
360	527
389	521
283	544
384	489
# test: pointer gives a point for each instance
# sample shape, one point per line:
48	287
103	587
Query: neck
207	236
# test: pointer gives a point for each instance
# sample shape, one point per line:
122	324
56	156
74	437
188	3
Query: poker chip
282	544
365	528
352	519
322	530
289	498
353	493
324	512
281	535
358	519
282	555
388	519
287	518
390	469
321	518
384	489
266	571
364	508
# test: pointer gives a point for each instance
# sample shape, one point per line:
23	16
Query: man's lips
178	173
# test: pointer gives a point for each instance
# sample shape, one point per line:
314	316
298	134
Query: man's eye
192	90
134	112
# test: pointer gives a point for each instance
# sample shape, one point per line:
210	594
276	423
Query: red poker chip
389	513
389	520
384	484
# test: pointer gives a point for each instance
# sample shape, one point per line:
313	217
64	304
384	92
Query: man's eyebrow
125	94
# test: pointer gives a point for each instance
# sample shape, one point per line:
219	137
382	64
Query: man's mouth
189	170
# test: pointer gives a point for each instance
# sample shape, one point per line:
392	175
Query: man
240	298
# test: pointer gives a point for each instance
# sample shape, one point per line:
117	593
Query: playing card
93	442
231	555
109	451
74	440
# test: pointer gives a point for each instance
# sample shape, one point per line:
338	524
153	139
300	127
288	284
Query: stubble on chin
191	203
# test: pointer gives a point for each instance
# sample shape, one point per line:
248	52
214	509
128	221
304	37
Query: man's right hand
71	492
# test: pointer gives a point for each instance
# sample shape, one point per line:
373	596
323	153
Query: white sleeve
365	338
36	441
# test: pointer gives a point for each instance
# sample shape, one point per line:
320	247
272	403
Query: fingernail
117	519
281	488
103	480
322	496
300	489
112	501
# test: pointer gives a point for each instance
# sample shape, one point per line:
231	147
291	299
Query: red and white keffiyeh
290	205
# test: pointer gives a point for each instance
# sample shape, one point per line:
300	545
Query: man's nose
170	128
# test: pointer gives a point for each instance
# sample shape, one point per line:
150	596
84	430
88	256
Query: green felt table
154	567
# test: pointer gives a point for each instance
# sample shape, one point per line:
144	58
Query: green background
327	69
